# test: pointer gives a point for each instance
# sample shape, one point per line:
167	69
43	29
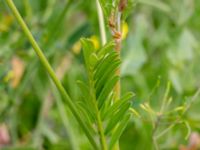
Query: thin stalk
155	144
118	49
31	68
165	131
50	71
98	116
51	34
164	101
101	131
117	88
101	23
103	41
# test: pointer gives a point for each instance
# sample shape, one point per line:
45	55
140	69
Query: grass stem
50	71
101	23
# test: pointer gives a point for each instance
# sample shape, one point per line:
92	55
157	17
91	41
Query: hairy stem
117	88
118	49
50	71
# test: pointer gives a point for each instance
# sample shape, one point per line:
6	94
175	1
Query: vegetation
104	74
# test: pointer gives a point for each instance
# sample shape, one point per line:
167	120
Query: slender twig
50	71
164	131
101	23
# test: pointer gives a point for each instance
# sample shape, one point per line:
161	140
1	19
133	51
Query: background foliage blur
160	57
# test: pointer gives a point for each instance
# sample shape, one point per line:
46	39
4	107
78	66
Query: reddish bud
117	35
122	5
111	24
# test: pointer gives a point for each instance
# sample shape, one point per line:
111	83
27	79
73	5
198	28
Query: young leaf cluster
113	6
105	118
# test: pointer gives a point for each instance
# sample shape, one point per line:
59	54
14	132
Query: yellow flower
95	41
124	30
76	48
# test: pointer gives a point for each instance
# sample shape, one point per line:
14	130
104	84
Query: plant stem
50	71
101	23
101	132
103	40
118	49
117	88
98	116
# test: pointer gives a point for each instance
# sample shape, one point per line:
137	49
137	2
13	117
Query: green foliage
112	6
129	8
107	6
161	46
98	94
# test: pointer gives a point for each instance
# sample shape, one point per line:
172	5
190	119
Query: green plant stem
50	71
37	132
101	132
98	116
101	23
103	40
31	70
165	131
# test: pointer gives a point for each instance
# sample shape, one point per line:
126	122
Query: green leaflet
93	59
107	105
106	91
86	96
90	114
117	117
109	5
129	8
104	63
88	49
108	74
98	99
86	119
117	105
117	133
108	47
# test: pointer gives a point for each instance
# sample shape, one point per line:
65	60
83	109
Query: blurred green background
160	55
